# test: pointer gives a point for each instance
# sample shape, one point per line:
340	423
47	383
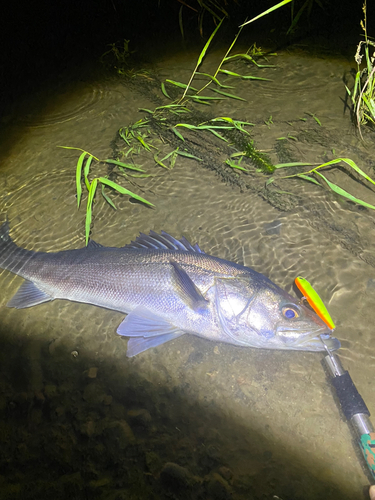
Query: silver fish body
167	288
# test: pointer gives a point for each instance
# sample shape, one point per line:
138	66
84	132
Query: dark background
40	40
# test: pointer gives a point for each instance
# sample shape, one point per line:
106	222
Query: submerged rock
179	480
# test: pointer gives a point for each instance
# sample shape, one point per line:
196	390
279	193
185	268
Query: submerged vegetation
84	164
179	124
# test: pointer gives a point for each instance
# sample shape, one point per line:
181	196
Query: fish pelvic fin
186	288
28	295
146	330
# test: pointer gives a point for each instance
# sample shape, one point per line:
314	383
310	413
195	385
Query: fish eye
290	312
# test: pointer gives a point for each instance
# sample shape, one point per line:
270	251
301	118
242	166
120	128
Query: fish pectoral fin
28	295
146	330
186	288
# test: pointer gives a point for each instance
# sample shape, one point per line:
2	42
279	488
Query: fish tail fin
12	257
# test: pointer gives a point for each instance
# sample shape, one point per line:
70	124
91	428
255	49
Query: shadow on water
75	425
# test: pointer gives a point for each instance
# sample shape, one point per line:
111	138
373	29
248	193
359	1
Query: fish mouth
321	342
318	340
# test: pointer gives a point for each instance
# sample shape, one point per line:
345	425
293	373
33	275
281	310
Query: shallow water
244	423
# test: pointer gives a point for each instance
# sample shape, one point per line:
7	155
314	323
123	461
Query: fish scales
168	288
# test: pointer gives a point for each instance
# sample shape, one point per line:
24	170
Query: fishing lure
314	300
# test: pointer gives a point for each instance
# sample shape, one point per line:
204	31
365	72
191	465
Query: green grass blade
294	164
86	172
123	190
206	98
188	155
244	77
79	175
79	149
201	56
146	110
344	193
230	120
218	135
281	4
173	159
175	106
232	96
235	165
180	136
90	201
214	79
308	178
349	162
169	154
164	90
160	162
107	198
144	144
124	165
181	85
248	58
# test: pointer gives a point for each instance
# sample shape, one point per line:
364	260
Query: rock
88	428
93	393
153	462
119	434
217	487
178	480
92	372
140	417
226	473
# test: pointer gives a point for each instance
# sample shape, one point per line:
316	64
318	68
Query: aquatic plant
83	168
363	93
319	177
118	58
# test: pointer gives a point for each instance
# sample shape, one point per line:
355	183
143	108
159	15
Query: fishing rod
351	402
353	407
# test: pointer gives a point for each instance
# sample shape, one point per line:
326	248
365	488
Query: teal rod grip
367	442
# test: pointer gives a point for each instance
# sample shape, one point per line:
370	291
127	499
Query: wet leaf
308	178
178	134
79	175
123	190
124	165
232	96
188	155
107	198
163	89
294	164
86	171
344	193
90	201
271	9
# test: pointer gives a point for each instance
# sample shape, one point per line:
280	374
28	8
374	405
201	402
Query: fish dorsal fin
91	245
163	241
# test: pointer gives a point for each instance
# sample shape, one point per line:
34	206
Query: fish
168	288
